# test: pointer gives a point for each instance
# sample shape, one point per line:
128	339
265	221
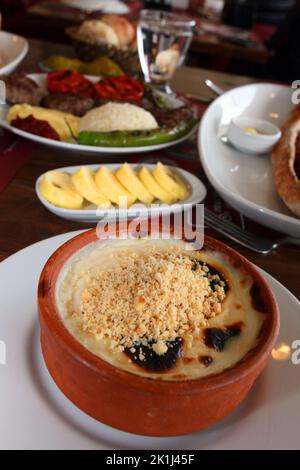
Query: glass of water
163	40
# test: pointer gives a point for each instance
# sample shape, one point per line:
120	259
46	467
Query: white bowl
242	138
13	49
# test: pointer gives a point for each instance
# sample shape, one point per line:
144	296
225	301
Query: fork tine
231	234
241	241
231	226
228	226
253	242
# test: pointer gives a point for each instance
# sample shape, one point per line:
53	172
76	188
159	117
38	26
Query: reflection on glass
163	40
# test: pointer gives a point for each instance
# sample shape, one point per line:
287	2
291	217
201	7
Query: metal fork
249	240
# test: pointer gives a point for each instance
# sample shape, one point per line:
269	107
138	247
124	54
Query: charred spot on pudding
206	360
145	356
214	276
257	300
217	338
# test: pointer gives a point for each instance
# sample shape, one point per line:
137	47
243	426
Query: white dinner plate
245	181
91	214
35	414
13	49
40	79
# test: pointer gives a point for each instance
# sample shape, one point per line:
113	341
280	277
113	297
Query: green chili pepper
135	138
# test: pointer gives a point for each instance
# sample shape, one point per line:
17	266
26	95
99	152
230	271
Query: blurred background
257	38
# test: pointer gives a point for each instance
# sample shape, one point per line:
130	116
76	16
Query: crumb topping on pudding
151	299
158	309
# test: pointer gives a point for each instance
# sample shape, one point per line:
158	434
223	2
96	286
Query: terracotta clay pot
143	405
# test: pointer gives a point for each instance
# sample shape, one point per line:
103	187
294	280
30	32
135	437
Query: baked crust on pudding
158	309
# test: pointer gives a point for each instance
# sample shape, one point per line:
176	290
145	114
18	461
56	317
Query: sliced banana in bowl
157	191
113	188
115	191
58	189
85	184
128	177
168	180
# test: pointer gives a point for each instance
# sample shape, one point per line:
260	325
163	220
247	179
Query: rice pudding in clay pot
150	336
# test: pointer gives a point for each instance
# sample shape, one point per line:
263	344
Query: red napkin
14	153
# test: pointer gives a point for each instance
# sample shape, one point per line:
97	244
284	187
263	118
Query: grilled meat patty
21	89
69	103
167	117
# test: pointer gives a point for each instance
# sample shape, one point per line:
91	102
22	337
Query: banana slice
154	188
58	189
170	181
85	184
129	179
113	190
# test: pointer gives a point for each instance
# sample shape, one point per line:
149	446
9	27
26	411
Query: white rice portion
117	117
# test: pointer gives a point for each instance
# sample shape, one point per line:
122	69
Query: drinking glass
163	39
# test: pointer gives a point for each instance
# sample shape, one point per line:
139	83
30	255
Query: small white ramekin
245	141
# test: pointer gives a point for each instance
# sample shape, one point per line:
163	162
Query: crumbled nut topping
154	297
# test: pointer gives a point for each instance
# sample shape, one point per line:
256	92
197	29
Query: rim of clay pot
251	362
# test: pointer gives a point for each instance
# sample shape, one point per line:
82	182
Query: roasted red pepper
36	126
122	88
67	81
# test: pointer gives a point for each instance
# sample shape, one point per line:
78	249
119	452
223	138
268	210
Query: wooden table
215	46
23	220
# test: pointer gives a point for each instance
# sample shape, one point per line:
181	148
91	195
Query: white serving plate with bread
90	213
244	180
